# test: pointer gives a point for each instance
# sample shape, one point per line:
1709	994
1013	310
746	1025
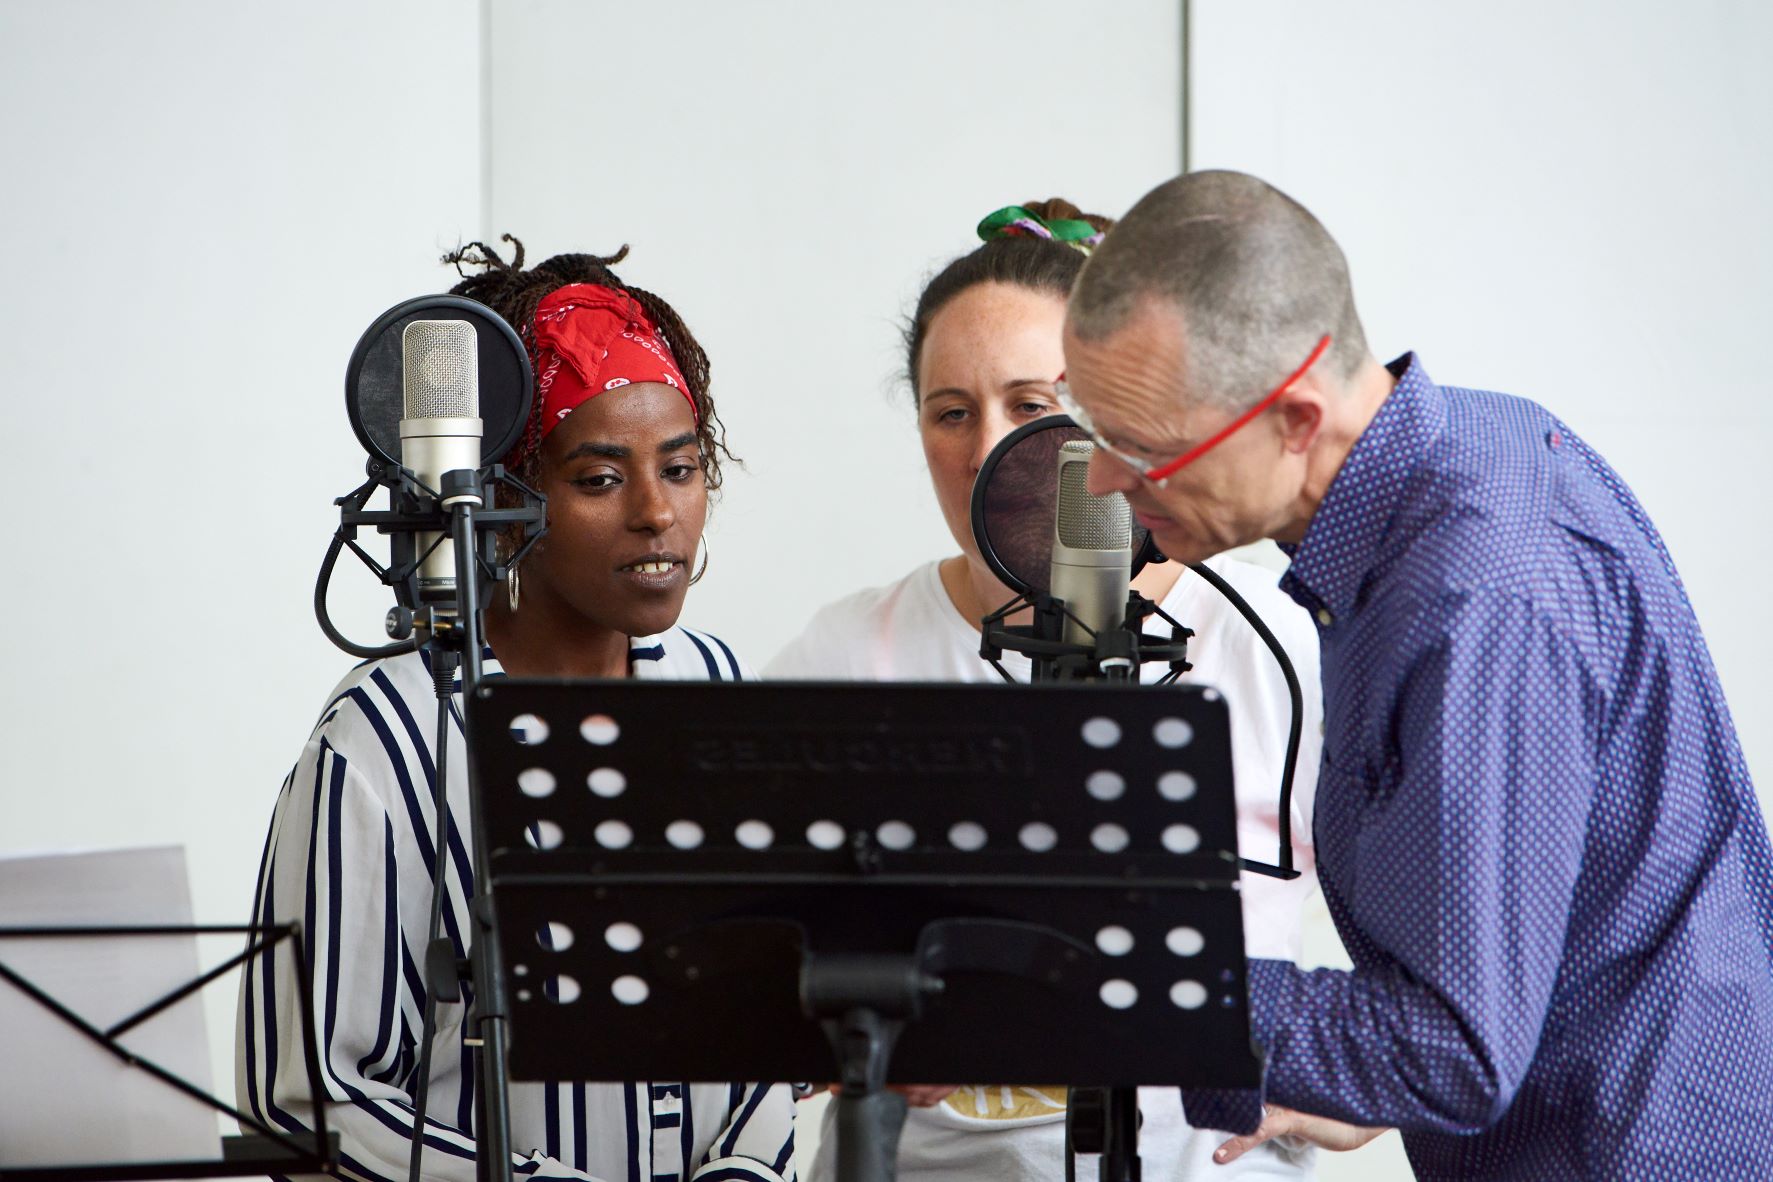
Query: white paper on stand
64	1100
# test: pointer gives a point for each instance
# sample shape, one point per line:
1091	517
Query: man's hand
1321	1131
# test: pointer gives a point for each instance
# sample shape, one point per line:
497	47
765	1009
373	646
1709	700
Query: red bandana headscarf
591	338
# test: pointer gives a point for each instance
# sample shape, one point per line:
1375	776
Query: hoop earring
702	569
513	591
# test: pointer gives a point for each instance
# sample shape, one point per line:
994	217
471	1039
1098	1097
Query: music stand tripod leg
1104	1122
869	1118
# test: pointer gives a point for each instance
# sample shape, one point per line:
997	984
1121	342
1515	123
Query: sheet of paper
64	1100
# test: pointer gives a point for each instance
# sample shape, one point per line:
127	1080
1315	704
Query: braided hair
1037	264
514	294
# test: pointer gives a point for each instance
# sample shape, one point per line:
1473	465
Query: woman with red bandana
624	442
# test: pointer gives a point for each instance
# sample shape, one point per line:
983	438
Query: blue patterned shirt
1535	829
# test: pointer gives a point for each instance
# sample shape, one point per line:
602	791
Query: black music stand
271	1150
720	882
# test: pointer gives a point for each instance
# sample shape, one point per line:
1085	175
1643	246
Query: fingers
1321	1131
1276	1122
1237	1147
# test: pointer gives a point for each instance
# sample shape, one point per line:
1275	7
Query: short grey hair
1255	276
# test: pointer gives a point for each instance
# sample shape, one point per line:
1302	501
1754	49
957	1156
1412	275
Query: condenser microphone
440	428
1092	549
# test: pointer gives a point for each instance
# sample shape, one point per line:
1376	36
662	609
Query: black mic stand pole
492	1159
454	639
1115	658
450	630
1100	1121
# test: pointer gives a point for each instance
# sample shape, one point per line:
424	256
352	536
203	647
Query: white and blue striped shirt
349	858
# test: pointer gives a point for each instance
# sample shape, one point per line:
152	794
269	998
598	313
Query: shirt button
1324	617
1555	439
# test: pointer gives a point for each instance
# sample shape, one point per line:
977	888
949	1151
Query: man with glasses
1534	826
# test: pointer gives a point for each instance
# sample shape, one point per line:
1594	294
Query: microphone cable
1297	698
322	584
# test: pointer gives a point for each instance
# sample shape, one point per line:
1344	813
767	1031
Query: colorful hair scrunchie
589	339
1013	221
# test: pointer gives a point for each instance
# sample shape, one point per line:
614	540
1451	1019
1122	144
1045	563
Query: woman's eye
598	480
1035	410
953	414
682	470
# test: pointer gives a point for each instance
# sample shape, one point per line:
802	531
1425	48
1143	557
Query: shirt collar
1331	563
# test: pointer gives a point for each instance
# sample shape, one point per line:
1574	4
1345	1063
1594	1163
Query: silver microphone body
1092	565
440	430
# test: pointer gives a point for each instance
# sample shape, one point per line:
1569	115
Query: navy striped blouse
350	857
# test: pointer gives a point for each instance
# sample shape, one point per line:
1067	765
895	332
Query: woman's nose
653	512
992	429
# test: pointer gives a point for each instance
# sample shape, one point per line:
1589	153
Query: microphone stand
492	1160
453	637
1102	1121
1105	1121
1113	654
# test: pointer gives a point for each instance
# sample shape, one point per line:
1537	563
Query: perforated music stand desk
683	872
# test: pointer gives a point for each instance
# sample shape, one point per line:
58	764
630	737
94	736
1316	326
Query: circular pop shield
1015	499
375	399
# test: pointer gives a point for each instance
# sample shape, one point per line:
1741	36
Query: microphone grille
440	370
1086	522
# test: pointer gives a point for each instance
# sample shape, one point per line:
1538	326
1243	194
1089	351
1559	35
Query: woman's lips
654	574
1151	521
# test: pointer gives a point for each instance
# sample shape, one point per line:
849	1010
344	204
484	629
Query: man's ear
1301	413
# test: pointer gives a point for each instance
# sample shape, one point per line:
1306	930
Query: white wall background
206	202
788	179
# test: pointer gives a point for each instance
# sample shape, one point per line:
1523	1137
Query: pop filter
374	396
1015	503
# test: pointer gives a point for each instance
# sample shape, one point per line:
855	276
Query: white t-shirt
911	631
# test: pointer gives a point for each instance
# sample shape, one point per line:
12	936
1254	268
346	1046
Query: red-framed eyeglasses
1163	472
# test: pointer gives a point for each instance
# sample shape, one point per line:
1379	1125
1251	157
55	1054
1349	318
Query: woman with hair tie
983	353
624	441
